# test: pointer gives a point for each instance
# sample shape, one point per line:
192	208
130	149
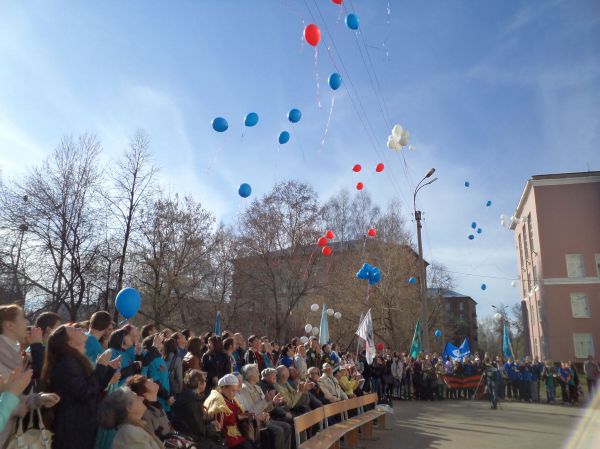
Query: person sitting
348	385
297	400
188	412
316	391
253	400
124	410
154	416
222	406
330	386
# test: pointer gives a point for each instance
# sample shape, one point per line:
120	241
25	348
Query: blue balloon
128	302
467	183
483	286
365	272
411	280
375	276
352	21
471	237
335	81
245	190
251	119
474	225
438	333
294	115
488	204
219	124
479	230
284	137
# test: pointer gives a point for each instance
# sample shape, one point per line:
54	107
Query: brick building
458	317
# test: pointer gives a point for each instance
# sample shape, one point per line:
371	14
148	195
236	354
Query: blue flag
458	352
506	345
218	324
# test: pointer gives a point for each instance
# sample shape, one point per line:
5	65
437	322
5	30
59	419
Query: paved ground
471	424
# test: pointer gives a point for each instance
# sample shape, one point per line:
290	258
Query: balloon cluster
322	242
398	139
369	273
357	168
478	230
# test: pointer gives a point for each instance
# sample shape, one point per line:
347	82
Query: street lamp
424	307
500	317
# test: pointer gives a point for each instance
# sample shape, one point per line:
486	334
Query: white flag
365	331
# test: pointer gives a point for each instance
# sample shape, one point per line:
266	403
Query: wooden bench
319	441
347	429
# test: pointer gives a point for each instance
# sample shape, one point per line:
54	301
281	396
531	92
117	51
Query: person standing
549	377
492	375
564	375
215	362
592	372
100	326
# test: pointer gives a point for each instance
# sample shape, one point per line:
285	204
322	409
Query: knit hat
227	380
267	372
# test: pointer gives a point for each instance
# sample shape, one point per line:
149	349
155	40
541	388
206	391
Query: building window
448	307
579	305
528	281
584	345
530	232
461	306
598	264
536	282
575	267
525	245
521	253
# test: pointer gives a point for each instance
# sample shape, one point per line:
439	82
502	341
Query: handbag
31	438
176	441
249	427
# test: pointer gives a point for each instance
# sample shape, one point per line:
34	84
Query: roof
448	294
554	179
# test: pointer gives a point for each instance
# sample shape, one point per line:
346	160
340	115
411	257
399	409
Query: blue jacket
93	348
158	371
509	367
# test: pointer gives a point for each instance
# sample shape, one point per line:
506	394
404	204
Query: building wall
564	217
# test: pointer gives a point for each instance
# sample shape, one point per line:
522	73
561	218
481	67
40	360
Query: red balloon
380	346
359	186
322	241
379	168
330	235
372	232
312	34
357	168
337	2
326	251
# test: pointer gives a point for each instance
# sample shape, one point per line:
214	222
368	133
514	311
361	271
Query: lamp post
500	316
424	307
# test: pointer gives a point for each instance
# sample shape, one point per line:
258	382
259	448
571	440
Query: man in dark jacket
253	354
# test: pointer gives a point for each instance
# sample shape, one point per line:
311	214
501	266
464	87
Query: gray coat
130	436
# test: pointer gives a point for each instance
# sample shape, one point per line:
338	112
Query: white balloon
304	339
498	317
393	144
337	315
308	328
397	132
314	307
513	284
330	312
502	217
404	141
411	148
315	330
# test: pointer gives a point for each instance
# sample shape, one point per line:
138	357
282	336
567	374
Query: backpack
32	438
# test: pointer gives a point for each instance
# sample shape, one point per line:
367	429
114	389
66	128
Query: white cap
228	379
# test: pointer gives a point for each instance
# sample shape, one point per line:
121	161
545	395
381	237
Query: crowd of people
102	387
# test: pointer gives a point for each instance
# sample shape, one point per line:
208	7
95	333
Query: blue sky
492	92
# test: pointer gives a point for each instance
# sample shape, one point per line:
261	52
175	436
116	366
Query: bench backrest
368	399
307	420
335	408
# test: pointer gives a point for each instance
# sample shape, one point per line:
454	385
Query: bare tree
62	216
133	184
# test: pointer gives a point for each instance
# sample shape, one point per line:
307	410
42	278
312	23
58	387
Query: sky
491	92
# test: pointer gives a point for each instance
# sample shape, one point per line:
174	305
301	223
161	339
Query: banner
462	382
365	331
415	347
457	352
324	327
506	345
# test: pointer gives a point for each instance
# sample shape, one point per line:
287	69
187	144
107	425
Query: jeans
492	387
550	393
376	387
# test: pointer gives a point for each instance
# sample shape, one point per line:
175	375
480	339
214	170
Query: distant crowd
95	386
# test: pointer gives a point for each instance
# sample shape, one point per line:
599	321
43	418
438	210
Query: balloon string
368	294
308	264
317	76
216	156
328	121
